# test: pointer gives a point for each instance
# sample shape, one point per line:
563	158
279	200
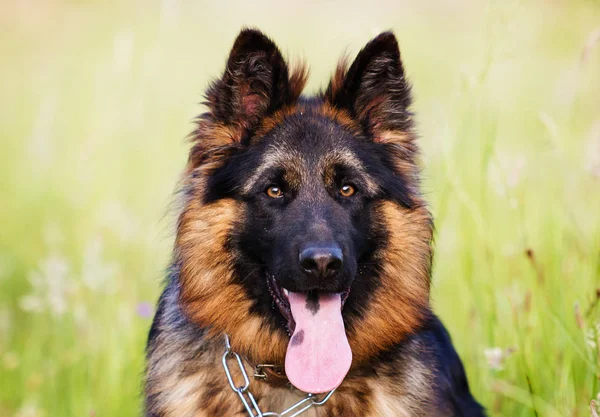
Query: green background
98	96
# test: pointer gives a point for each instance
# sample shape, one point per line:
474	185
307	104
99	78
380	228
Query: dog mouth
318	355
282	301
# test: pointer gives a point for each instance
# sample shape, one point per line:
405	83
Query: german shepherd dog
304	239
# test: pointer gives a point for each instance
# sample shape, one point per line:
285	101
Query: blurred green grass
98	96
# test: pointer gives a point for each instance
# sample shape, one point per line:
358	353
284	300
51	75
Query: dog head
295	203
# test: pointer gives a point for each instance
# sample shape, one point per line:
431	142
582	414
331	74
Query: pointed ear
374	90
255	82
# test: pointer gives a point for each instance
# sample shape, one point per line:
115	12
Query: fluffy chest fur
186	378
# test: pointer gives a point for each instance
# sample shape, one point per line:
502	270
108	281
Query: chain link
260	373
247	398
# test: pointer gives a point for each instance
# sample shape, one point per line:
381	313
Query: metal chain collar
248	399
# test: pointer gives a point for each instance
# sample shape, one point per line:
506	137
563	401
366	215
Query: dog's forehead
304	148
308	150
312	141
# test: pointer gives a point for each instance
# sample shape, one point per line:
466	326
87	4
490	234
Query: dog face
295	202
300	186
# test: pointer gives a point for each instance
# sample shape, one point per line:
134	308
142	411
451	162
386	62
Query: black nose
321	261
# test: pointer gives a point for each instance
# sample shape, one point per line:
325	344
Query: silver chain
248	399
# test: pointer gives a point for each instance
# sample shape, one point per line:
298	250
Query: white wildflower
496	356
31	303
96	274
592	335
50	287
29	409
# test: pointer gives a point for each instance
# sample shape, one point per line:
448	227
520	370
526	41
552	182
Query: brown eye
274	192
347	190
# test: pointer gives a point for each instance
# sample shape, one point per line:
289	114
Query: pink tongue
318	355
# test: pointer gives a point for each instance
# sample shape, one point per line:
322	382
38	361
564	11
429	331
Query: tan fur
212	300
280	156
405	150
298	78
340	116
397	305
345	157
271	121
217	138
203	390
400	138
208	295
337	80
295	166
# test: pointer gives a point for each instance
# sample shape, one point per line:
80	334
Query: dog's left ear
374	90
255	82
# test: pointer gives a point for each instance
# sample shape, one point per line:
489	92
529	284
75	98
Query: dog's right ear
255	83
